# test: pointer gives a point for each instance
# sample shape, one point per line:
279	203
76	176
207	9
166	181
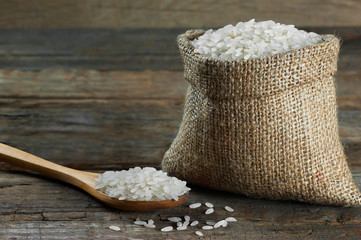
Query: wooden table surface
112	99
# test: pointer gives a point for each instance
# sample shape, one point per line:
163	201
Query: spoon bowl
81	179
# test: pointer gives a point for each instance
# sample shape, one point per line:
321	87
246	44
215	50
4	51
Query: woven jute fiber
263	127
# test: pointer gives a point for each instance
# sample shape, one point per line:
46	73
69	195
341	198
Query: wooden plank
123	49
91	84
119	119
135	49
39	14
113	134
36	207
93	134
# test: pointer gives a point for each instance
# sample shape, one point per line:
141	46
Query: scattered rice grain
174	219
147	225
220	223
210	205
209	211
195	205
194	223
180	228
207	227
231	219
210	222
199	233
114	228
229	209
167	229
140	222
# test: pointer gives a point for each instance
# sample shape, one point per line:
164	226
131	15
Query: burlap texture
263	127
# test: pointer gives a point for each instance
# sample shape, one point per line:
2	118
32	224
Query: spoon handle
30	162
82	179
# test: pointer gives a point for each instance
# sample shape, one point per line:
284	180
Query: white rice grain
147	225
140	222
167	229
194	223
187	218
199	233
114	228
210	222
207	227
180	228
210	205
231	219
174	219
220	223
195	205
209	211
229	209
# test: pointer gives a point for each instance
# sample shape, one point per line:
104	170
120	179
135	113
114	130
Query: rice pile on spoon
141	184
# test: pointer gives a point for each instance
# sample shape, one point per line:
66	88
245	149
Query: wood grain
97	133
91	84
35	207
81	117
128	116
135	49
82	179
38	14
91	119
118	49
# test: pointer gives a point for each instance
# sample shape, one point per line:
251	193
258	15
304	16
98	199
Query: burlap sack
263	127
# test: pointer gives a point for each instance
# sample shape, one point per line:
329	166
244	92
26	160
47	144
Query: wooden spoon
81	179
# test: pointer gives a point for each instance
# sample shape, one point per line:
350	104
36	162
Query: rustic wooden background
115	14
98	85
